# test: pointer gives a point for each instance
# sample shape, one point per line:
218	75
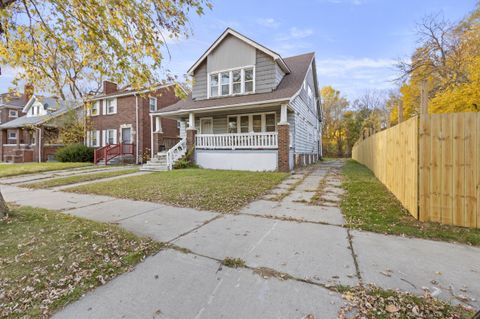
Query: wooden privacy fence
431	163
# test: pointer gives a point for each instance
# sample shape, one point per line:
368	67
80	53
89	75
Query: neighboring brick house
34	137
122	116
250	109
11	106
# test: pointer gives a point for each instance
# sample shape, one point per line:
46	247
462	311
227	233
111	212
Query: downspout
136	128
39	144
151	135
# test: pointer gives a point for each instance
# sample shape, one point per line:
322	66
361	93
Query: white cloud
295	33
268	22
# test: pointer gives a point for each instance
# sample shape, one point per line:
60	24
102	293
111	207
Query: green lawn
216	190
49	259
77	179
369	205
29	168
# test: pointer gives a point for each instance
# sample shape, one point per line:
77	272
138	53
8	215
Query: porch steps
157	163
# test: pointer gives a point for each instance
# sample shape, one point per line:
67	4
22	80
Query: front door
127	135
206	126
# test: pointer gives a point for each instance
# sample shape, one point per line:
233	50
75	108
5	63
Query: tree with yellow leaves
447	63
62	46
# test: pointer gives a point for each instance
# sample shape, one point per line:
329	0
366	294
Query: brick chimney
109	87
28	92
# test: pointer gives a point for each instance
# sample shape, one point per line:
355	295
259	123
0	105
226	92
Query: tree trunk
3	207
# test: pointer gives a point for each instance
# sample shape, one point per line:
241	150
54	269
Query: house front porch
255	139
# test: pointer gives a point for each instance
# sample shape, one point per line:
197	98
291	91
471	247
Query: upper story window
13	113
95	108
231	82
152	102
111	106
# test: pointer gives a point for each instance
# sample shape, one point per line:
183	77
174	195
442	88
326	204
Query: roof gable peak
256	45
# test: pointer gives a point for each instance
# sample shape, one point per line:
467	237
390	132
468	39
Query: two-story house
119	122
34	137
250	109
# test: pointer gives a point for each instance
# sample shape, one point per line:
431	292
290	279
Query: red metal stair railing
109	152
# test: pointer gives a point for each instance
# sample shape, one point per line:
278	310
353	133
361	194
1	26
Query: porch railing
237	141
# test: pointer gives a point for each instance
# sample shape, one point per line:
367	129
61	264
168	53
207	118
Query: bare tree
439	55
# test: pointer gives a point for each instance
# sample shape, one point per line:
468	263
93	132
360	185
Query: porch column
18	138
3	141
157	135
38	149
191	133
283	128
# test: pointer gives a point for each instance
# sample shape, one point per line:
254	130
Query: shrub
186	161
75	153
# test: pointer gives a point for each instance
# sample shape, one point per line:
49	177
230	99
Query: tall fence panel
392	155
431	164
449	169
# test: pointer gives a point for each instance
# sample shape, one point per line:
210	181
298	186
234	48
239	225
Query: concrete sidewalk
290	237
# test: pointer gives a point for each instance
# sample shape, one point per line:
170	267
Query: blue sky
356	42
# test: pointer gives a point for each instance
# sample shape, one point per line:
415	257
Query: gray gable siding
199	88
265	73
279	74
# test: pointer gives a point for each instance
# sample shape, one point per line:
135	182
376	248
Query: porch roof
288	88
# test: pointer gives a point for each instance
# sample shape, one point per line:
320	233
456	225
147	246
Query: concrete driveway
295	255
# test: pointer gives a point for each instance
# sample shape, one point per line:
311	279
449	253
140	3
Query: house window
110	136
95	107
245	123
13	113
237	81
248	80
232	124
225	87
213	85
153	104
257	123
270	122
93	138
111	106
12	135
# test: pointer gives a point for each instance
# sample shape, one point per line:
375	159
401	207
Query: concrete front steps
157	163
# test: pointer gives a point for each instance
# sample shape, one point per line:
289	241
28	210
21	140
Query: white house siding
243	160
307	126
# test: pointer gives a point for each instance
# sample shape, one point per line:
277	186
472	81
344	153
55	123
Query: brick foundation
283	147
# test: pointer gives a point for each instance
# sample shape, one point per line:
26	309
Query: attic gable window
231	82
